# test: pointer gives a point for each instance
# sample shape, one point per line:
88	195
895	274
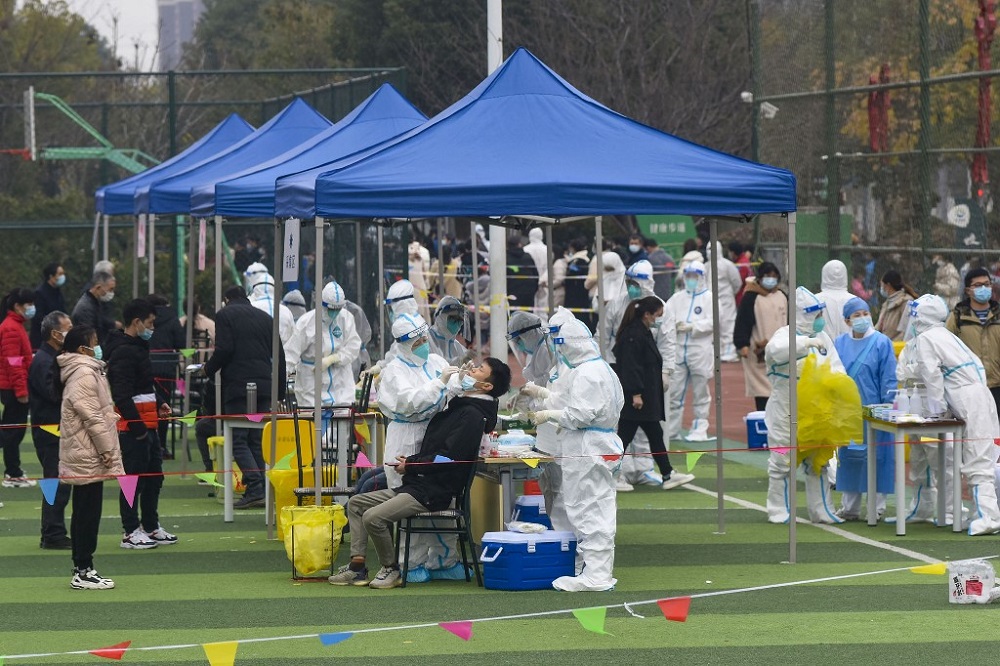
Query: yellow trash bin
312	536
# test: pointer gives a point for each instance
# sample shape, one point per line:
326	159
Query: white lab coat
339	337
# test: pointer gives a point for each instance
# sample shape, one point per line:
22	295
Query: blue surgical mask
422	351
634	249
98	352
691	284
468	383
982	294
29	312
333	314
861	324
146	334
454	326
819	324
883	293
656	322
769	282
520	346
634	292
61	280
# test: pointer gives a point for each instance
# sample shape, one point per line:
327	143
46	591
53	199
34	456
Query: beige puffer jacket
88	442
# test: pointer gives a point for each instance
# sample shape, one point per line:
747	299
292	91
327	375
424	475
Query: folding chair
340	440
460	518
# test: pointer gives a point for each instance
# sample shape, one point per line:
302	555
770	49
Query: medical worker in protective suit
810	339
338	349
691	309
956	380
834	293
533	350
870	361
449	320
413	389
260	291
585	403
364	329
399	300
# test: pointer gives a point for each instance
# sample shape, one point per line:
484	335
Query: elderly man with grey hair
44	402
93	308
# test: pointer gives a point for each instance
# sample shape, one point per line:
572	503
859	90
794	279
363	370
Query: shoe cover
455	572
987	519
777	500
650	478
699	431
583	583
417	575
818	499
640	461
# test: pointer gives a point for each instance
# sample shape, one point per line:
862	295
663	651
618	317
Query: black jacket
168	336
639	367
243	351
522	278
89	311
130	373
47	299
44	393
454	433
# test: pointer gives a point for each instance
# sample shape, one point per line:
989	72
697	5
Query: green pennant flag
189	419
209	478
592	619
187	353
692	459
284	463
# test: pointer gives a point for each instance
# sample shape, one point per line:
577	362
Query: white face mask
108	296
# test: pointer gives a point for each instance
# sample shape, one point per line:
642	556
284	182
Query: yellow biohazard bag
312	536
829	412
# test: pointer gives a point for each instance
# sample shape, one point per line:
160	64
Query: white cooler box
517	561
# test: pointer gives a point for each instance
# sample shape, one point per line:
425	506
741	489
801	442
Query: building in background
178	19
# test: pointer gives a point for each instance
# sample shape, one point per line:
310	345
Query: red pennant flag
611	457
461	629
114	652
675	610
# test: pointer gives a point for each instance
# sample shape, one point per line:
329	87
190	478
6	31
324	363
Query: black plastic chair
329	454
460	519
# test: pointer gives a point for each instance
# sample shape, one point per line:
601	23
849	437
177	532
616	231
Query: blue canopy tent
527	143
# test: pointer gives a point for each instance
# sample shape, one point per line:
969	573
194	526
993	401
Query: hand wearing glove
684	327
814	343
464	370
375	371
665	379
522	403
534	391
330	359
448	372
546	415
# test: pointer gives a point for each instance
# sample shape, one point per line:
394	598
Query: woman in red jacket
15	358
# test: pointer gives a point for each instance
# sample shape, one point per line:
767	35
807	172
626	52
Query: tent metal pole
713	227
135	261
151	259
382	310
440	235
358	274
188	331
475	285
599	241
318	367
218	304
793	400
498	292
106	241
550	292
276	348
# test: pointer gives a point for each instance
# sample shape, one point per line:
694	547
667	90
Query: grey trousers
373	514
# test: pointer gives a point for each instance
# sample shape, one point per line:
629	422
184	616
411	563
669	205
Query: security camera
768	110
747	97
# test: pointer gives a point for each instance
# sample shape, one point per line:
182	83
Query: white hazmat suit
539	253
691	310
585	403
337	351
730	283
399	300
809	311
260	291
954	376
834	293
527	335
450	316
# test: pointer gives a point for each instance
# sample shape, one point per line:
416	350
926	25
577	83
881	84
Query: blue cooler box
531	509
517	561
756	430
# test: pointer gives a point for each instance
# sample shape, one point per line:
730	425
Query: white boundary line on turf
832	529
521	616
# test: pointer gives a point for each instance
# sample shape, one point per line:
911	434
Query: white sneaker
18	482
677	479
88	579
651	478
138	540
161	536
623	486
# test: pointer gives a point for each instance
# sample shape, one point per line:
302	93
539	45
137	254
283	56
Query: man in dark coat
48	298
167	339
243	337
429	484
522	275
93	308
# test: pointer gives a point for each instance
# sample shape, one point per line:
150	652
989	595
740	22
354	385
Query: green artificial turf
225	582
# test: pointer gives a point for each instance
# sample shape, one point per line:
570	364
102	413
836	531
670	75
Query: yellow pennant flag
51	429
363	432
221	654
187	353
692	459
938	569
531	462
189	419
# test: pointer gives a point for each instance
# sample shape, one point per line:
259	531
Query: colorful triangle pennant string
113	652
592	619
256	418
285	462
442	459
778	449
51	429
189	418
461	629
692	459
531	462
675	610
221	654
362	460
15	361
187	352
363	432
612	457
128	482
333	639
938	569
209	478
49	488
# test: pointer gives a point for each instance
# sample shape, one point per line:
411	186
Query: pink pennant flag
780	450
15	361
114	652
675	610
362	460
181	386
128	483
256	418
461	629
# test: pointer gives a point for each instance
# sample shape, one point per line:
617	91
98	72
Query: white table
503	469
901	432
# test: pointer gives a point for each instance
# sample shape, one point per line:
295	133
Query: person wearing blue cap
870	361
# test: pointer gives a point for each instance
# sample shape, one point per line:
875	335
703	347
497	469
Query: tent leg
475	286
713	226
135	262
151	260
793	402
550	293
276	348
382	310
498	292
218	304
107	234
318	368
599	255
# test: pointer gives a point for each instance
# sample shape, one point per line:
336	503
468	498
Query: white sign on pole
140	241
202	242
290	262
